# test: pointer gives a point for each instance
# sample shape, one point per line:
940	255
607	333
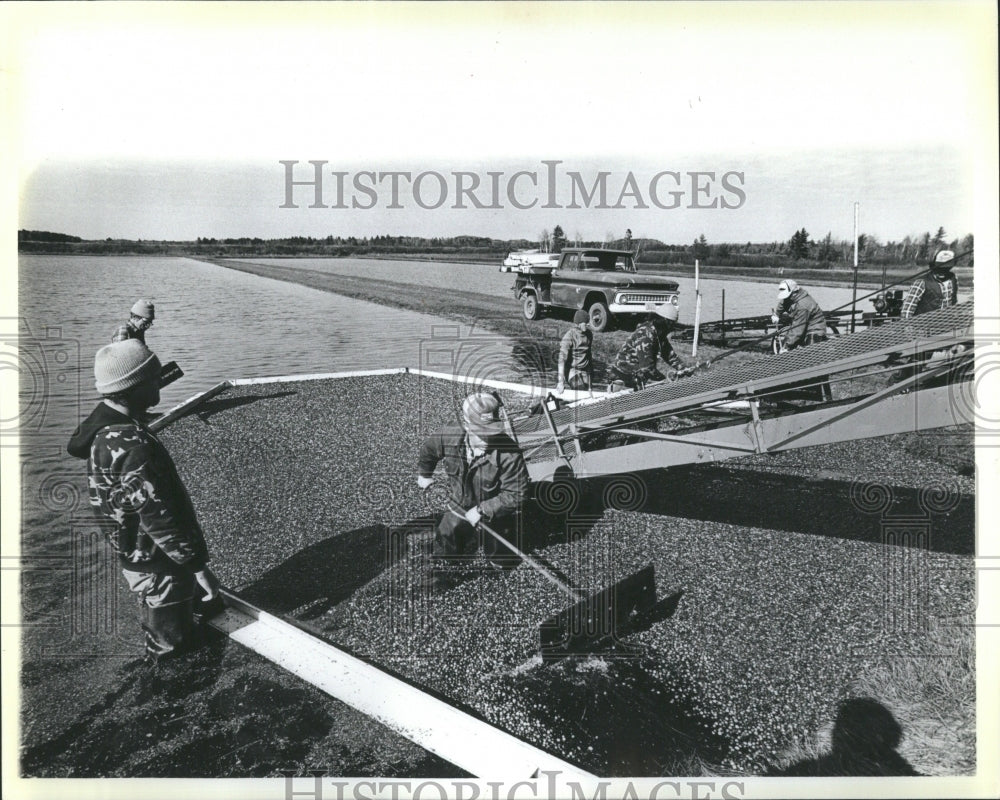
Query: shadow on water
820	507
328	572
210	408
614	716
217	712
864	742
620	710
141	707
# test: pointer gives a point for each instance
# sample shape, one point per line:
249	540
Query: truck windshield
609	262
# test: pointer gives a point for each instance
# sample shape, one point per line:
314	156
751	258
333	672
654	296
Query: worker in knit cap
140	320
136	491
487	480
575	349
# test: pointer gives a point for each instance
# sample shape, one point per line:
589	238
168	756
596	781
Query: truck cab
604	283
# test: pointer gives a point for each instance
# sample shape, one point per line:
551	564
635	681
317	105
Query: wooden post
723	317
697	311
854	296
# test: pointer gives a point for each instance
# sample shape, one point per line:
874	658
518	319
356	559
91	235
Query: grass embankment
480	311
869	278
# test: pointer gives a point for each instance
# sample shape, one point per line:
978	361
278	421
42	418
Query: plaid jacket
930	294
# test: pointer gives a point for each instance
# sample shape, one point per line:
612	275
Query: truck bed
529	269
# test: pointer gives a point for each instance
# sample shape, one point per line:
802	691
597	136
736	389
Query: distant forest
799	250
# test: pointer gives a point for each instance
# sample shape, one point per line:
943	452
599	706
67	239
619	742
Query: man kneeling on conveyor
636	362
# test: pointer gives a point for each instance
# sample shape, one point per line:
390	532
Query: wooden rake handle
565	587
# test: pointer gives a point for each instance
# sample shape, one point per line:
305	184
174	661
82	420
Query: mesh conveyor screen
768	369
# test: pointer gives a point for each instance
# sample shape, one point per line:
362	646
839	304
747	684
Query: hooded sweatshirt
134	484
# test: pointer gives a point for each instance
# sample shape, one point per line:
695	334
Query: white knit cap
121	365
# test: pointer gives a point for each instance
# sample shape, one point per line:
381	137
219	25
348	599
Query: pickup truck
604	283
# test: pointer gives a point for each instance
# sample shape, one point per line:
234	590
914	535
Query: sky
157	123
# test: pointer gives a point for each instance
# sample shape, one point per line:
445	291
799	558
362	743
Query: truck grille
630	297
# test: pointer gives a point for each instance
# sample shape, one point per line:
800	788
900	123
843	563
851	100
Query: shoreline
868	279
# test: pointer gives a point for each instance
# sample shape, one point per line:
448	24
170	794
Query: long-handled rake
592	619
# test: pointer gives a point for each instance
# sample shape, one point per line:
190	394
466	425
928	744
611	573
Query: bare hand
424	483
208	582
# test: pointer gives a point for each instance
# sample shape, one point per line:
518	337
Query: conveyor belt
925	332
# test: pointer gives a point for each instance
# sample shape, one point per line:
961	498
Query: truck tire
530	306
600	317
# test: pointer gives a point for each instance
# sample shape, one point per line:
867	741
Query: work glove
473	516
423	482
560	387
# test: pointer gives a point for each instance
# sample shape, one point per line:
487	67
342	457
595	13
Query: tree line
798	250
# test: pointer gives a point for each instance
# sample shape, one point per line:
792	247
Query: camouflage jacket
134	484
642	348
496	481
